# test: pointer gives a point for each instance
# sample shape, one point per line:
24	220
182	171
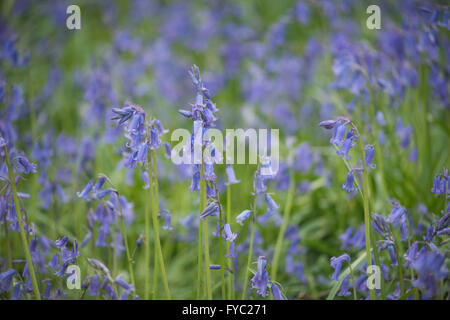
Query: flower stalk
23	236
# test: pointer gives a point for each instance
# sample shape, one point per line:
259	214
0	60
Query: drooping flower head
261	278
336	263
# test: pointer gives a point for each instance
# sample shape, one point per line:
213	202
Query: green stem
125	239
279	243
400	274
205	235
199	259
22	230
147	243
366	207
222	256
155	272
250	249
230	275
156	225
353	281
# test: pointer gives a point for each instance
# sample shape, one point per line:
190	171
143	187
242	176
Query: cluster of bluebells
441	184
260	281
203	117
343	141
48	266
106	214
422	256
101	283
142	136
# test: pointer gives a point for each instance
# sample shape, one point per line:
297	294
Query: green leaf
337	284
407	294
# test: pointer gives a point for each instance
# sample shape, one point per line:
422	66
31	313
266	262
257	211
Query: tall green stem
353	281
22	230
205	235
279	243
230	274
125	240
199	259
250	249
156	225
147	242
400	273
366	207
222	256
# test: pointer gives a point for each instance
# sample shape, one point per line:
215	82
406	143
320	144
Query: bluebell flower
99	184
123	114
380	118
168	150
67	258
47	292
276	292
61	243
397	215
195	184
214	266
209	174
102	193
271	204
346	146
261	278
443	223
6	280
99	266
355	239
344	288
18	291
244	215
141	156
380	225
231	250
336	263
155	141
328	124
411	254
218	229
229	235
303	158
167	221
431	269
413	155
302	12
212	209
210	191
338	134
123	284
348	185
84	194
440	185
231	176
258	183
186	113
53	263
94	286
390	246
392	255
110	293
404	230
24	165
369	155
